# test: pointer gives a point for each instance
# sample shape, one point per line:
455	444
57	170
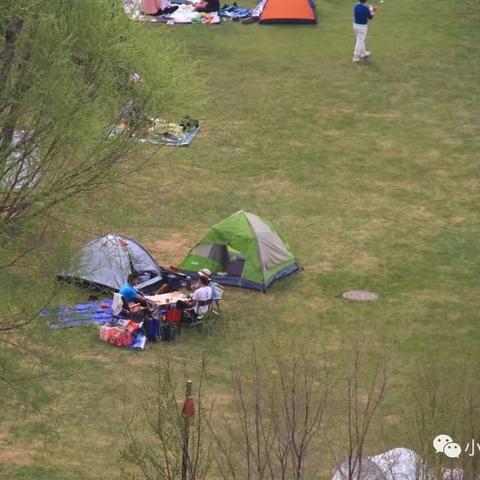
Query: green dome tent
242	250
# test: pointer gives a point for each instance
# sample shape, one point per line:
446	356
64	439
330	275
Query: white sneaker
366	55
355	60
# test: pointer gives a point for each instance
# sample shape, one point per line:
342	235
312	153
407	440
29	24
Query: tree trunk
11	35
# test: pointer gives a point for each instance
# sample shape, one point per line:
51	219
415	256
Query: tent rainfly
107	261
244	251
288	11
395	464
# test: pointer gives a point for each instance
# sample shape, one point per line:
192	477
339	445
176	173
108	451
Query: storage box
115	336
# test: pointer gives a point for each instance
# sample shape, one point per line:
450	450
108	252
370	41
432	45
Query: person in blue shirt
362	14
130	293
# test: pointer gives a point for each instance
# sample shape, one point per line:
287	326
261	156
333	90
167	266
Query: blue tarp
64	316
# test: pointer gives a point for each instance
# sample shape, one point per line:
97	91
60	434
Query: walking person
362	14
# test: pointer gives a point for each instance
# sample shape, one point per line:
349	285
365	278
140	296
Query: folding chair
117	305
198	319
122	309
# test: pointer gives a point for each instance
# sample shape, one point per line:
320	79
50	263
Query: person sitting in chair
201	297
206	272
142	312
130	293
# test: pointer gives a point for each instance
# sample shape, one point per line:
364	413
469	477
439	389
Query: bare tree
364	392
445	400
278	411
168	450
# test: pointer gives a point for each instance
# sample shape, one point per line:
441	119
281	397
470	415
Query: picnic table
166	299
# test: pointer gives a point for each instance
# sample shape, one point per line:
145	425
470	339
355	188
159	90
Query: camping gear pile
266	12
133	123
234	12
184	14
126	333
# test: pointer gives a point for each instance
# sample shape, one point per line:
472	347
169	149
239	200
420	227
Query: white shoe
366	55
355	60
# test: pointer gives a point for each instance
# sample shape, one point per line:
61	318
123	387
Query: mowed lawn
372	173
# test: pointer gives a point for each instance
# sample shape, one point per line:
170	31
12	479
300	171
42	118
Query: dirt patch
392	115
270	186
364	261
392	419
320	267
170	250
16	454
96	357
219	399
333	133
456	219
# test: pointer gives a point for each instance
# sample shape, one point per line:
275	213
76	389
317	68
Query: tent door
236	264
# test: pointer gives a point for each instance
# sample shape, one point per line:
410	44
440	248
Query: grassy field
371	171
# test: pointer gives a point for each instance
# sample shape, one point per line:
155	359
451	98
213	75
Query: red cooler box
116	336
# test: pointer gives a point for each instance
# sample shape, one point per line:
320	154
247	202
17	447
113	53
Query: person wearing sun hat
216	289
205	272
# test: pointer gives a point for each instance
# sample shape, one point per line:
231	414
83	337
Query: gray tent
364	470
395	464
107	261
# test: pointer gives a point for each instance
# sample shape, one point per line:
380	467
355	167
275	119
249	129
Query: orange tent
288	11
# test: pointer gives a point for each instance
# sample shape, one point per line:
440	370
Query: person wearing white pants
361	16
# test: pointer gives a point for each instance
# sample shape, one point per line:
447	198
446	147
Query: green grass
370	171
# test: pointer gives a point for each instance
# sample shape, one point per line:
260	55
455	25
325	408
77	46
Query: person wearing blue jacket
362	14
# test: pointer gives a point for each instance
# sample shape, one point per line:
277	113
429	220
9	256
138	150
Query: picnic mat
64	316
185	14
151	130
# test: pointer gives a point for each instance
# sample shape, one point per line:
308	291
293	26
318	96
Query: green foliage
64	77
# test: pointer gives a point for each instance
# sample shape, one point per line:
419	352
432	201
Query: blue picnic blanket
65	316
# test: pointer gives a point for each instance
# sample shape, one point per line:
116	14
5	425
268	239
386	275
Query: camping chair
204	320
117	305
121	308
196	318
